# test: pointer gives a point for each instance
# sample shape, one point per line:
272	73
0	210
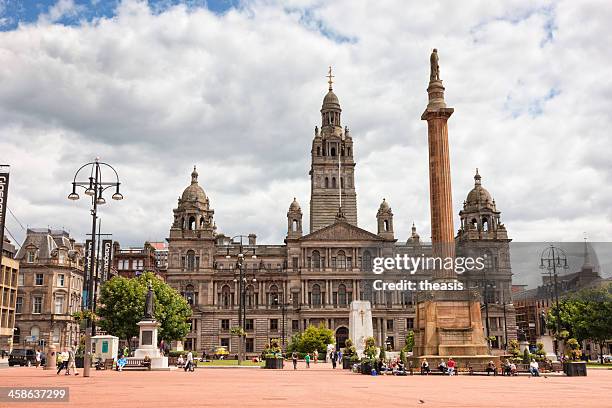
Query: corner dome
295	206
330	101
194	192
479	195
384	206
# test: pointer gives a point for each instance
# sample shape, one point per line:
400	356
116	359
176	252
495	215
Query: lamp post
241	279
283	306
551	259
94	187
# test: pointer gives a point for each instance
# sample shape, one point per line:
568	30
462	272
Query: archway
342	334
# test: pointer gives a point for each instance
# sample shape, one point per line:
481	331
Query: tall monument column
441	204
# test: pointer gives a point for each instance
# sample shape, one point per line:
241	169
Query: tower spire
329	78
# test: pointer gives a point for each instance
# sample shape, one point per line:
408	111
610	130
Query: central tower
332	170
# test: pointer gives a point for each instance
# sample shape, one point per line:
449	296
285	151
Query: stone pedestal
360	324
51	362
147	345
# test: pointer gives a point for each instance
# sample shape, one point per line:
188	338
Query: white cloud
239	94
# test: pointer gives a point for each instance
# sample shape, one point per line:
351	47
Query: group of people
445	367
187	363
66	360
334	356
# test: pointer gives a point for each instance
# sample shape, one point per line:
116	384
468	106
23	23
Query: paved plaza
319	386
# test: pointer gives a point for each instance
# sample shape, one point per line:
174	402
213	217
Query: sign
4	185
88	268
107	258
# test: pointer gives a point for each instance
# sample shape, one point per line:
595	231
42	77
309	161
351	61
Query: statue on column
150	303
435	68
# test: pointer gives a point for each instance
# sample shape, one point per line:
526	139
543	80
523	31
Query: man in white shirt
189	361
534	368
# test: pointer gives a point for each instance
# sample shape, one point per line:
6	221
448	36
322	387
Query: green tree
409	341
313	338
122	302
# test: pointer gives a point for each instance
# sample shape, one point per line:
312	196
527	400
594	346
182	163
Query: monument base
148	345
360	324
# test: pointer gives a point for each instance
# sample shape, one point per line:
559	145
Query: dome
295	206
384	206
194	192
479	194
330	101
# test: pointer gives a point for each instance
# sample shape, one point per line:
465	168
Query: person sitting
442	367
121	363
534	368
400	369
425	367
450	366
513	369
506	368
491	368
180	362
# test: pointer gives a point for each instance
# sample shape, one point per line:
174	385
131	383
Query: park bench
108	364
137	363
480	369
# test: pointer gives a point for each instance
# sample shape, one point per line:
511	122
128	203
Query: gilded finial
329	78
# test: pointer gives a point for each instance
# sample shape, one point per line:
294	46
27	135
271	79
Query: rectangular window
250	345
390	324
225	324
295	325
60	280
59	305
21	280
19	304
225	342
37	305
31	257
248	324
333	263
139	264
295	262
410	323
39	279
349	262
273	324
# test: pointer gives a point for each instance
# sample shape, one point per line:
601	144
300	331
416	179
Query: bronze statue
435	68
150	303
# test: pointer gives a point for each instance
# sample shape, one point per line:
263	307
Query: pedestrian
316	355
307	358
189	361
71	362
294	358
450	366
340	356
62	361
38	357
334	358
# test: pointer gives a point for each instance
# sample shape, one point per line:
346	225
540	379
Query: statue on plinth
150	304
434	74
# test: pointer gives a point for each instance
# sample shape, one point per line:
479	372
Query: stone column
440	197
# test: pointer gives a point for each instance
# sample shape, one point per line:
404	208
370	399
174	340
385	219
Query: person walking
450	366
340	356
316	355
334	358
307	358
62	361
189	361
71	362
294	358
38	357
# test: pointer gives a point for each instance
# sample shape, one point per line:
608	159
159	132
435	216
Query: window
59	305
249	325
273	296
273	324
410	323
295	325
316	260
39	279
20	280
390	343
35	332
315	295
326	182
16	336
55	337
191	263
189	295
225	324
225	342
30	257
249	345
226	297
390	324
193	325
342	295
37	305
139	264
251	299
367	261
19	304
333	179
295	262
60	280
341	260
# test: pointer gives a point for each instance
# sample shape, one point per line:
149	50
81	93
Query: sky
235	88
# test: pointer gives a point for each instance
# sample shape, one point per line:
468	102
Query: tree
122	303
370	348
409	341
313	338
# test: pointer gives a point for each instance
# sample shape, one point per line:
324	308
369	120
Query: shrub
573	349
370	348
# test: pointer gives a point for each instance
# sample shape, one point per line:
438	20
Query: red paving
319	386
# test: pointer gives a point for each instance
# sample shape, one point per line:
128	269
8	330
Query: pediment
341	231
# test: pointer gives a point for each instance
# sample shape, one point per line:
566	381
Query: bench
137	363
481	369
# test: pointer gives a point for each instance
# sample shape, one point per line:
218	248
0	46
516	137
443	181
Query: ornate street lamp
552	259
94	187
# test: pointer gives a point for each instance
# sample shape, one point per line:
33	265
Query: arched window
226	297
342	295
316	260
318	150
366	292
273	296
183	223
326	182
201	222
386	225
191	260
474	223
367	261
333	152
192	223
250	297
348	151
315	295
341	260
189	294
294	225
485	224
342	182
333	182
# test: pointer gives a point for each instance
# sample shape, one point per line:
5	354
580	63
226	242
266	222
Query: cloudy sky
236	87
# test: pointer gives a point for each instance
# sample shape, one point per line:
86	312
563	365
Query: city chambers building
312	277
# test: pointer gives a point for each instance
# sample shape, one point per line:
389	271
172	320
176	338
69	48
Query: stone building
9	272
310	279
50	285
131	262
